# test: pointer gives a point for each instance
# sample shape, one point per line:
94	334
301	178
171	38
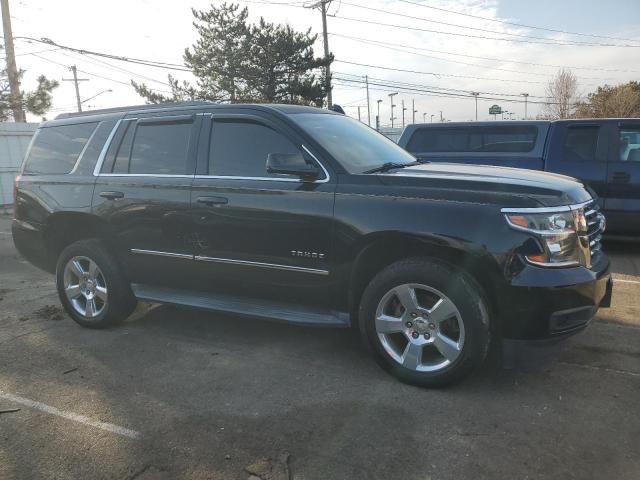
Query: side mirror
291	164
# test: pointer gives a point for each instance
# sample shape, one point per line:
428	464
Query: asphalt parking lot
183	394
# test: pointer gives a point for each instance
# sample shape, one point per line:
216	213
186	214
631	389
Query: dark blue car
604	153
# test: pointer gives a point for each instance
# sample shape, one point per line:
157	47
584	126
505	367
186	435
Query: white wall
14	140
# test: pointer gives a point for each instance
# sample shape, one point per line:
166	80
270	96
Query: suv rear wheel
91	286
425	322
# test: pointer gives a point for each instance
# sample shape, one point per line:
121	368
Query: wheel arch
64	228
384	248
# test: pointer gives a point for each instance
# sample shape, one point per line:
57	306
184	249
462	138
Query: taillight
15	192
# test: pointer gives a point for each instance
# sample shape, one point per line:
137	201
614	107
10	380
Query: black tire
459	288
120	299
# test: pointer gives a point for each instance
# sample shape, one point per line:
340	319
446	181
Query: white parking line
625	281
109	427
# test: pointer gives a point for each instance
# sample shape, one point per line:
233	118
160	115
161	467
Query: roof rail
153	106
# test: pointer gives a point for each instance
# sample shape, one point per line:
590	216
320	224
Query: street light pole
525	95
432	115
391	95
424	117
475	94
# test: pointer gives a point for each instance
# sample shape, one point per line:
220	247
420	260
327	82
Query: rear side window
629	144
239	148
581	143
154	148
55	150
501	138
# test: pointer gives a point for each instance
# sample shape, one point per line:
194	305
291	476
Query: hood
515	187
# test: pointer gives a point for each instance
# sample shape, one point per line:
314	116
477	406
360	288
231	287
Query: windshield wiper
385	167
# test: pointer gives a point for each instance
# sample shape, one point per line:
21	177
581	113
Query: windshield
356	146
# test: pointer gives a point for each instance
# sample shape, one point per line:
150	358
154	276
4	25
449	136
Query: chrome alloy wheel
85	287
419	327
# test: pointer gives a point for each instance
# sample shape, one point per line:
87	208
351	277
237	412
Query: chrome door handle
210	201
111	195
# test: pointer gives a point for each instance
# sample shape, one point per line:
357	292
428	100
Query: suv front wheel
91	286
425	322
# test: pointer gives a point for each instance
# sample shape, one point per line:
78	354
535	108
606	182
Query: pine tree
234	61
37	101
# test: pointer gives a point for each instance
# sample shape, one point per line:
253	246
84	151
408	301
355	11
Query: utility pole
323	6
75	80
441	118
403	110
475	94
12	69
359	113
413	107
366	80
424	117
525	95
378	115
391	95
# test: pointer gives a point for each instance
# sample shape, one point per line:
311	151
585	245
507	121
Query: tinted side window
55	150
500	138
629	143
239	148
581	143
154	148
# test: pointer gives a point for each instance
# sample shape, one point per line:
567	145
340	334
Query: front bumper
543	303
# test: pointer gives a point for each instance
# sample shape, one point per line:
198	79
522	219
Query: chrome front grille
595	227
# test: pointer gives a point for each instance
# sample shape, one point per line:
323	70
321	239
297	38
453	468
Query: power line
150	63
486	19
413	17
438	74
92	74
386	45
484	58
460	90
405	27
430	92
102	63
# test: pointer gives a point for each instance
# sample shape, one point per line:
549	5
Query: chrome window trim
84	149
105	147
162	254
152	175
274	266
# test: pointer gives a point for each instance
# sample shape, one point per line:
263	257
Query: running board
266	309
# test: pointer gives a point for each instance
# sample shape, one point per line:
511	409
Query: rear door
257	233
579	149
623	172
143	193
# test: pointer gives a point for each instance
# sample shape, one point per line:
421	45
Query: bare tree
562	93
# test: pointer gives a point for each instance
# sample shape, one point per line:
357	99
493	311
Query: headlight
558	233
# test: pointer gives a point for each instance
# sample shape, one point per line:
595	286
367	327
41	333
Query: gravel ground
177	393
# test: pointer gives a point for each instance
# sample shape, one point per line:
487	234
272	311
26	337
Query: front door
143	193
623	190
259	234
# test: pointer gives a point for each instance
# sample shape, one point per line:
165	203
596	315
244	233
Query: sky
428	50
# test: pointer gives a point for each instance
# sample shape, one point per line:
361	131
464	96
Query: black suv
310	217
